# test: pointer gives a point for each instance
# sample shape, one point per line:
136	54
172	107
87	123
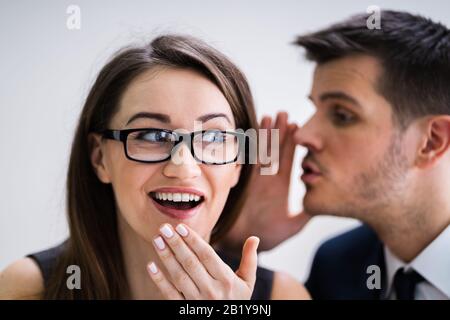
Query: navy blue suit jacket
339	268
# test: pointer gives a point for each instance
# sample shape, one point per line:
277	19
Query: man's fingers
266	122
297	135
281	124
249	261
266	125
287	151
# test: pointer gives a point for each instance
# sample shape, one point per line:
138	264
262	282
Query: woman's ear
236	175
436	142
97	157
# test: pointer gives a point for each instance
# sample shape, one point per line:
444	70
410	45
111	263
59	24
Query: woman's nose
309	136
182	165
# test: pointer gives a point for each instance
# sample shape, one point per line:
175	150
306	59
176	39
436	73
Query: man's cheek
341	180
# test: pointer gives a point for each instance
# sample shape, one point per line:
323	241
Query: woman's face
174	99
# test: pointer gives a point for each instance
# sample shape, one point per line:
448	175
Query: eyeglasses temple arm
111	134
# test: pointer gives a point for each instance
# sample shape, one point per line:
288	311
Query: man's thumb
249	261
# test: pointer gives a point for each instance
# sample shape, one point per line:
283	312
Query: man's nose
182	165
309	136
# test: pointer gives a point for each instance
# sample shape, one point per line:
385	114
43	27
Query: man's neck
410	232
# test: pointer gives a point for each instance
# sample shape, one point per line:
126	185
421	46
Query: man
378	151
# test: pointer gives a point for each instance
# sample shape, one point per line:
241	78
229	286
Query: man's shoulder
339	268
349	245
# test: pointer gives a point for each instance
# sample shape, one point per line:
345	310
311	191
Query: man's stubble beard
374	192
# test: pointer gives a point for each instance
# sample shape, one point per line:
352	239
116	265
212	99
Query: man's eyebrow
210	116
337	95
150	115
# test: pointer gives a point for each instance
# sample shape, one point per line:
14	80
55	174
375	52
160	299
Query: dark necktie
405	283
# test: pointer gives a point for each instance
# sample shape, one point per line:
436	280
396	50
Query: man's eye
342	117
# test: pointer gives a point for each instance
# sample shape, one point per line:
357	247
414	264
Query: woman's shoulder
286	287
22	279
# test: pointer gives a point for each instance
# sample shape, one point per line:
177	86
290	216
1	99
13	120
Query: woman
149	191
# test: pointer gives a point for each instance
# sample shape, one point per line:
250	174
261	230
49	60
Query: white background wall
46	71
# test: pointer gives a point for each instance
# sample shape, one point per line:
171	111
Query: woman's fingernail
160	243
166	231
152	268
182	230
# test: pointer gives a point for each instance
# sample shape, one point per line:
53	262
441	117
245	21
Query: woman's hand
196	271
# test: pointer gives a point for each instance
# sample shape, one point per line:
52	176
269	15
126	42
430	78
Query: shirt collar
392	265
433	263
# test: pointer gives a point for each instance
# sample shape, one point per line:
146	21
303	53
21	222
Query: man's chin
322	207
312	206
315	211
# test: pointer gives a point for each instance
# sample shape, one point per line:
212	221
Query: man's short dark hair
414	52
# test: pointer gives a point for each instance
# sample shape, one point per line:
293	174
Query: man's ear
436	142
97	157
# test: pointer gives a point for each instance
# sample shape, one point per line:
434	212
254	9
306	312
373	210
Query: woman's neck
137	253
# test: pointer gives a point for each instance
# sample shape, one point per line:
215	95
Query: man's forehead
353	78
349	71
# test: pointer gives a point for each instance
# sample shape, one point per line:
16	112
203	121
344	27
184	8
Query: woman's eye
213	137
153	136
342	117
147	136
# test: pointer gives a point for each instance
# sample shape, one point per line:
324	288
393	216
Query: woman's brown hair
93	244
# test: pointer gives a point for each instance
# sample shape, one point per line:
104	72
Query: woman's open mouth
179	205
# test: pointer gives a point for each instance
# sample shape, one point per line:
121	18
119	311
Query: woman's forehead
181	94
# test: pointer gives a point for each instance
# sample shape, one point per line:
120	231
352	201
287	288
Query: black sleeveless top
47	259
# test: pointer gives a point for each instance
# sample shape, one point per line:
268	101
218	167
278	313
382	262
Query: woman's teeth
177	200
177	197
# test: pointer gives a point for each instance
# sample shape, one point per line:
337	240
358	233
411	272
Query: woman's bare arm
286	287
21	280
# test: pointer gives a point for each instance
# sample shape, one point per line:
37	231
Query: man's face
357	158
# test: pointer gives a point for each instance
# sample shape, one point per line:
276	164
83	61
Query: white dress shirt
433	263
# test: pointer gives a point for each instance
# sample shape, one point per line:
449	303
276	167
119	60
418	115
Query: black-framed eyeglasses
152	145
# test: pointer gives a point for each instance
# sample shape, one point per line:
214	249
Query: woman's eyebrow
210	116
166	119
150	115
